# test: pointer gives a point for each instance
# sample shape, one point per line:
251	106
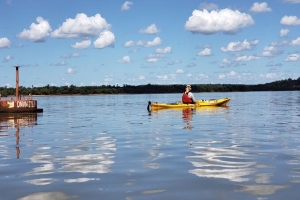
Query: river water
111	147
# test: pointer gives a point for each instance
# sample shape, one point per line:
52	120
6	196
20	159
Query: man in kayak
187	96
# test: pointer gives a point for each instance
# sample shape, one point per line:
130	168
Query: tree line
282	85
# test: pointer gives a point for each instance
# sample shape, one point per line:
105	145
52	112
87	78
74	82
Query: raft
199	103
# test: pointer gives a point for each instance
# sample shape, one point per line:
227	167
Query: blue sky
107	42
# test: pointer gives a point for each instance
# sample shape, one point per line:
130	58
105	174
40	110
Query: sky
117	42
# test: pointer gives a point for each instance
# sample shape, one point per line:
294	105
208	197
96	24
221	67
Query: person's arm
191	95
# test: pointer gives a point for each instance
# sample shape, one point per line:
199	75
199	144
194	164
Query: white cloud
37	32
225	63
105	39
271	75
284	32
240	46
174	62
126	5
141	77
81	27
271	51
82	45
8	58
129	43
152	58
125	59
205	52
260	7
155	42
165	77
231	74
62	63
164	50
179	71
290	20
74	55
4	43
70	71
295	42
151	30
226	20
245	58
208	6
293	57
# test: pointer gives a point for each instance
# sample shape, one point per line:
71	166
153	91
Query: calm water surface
110	147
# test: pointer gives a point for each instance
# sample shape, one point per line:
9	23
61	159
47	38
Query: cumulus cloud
245	58
293	57
82	45
36	32
240	46
208	6
205	52
4	43
152	58
227	21
151	30
270	75
231	74
155	42
105	39
7	58
62	63
295	42
164	50
70	71
271	51
174	62
125	59
225	63
179	71
284	32
74	55
165	77
290	21
129	43
260	7
141	77
126	5
81	27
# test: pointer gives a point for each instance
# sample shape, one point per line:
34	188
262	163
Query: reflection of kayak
199	103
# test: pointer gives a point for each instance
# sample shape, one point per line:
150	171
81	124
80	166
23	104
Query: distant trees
282	85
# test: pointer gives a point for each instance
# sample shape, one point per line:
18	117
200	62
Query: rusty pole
17	82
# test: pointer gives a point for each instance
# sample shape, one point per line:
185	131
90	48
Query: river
111	147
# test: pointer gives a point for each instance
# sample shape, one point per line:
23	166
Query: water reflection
187	113
16	121
93	156
220	162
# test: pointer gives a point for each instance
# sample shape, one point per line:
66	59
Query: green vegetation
282	85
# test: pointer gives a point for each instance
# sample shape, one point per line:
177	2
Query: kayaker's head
188	88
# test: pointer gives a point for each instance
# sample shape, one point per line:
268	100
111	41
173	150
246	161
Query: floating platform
19	106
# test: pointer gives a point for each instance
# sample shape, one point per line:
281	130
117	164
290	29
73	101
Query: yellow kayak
199	103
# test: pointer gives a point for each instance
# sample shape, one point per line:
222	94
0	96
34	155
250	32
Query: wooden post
17	82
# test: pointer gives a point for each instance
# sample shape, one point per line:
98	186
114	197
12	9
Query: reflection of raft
199	103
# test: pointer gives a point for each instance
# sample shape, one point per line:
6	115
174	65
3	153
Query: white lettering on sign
26	104
11	104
